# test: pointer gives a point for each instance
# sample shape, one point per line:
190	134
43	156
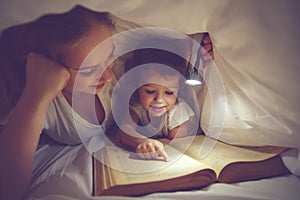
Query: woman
49	53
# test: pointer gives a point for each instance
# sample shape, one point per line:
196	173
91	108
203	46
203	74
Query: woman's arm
19	138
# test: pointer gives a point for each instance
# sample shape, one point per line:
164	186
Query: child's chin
157	114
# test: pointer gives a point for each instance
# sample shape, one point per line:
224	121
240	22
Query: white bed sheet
256	51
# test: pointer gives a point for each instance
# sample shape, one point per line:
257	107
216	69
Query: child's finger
147	155
154	154
163	154
140	152
152	150
144	155
141	156
147	151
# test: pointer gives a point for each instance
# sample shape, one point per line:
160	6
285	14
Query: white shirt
180	113
66	126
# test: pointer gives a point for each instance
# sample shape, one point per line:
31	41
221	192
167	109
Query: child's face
87	76
156	98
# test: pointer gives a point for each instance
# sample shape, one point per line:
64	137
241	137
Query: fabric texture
255	52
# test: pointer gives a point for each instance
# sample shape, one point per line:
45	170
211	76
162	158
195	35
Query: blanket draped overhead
256	47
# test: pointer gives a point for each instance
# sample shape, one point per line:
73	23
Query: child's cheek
172	101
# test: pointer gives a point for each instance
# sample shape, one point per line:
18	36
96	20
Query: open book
118	172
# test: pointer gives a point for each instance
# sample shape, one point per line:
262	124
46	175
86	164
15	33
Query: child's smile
157	109
159	95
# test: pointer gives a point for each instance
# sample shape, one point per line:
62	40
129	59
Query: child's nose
159	98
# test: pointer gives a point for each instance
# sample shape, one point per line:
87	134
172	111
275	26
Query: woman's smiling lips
98	86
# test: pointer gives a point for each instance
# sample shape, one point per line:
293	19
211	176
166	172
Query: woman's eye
169	92
149	91
87	72
109	60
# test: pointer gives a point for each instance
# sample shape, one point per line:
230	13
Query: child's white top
180	113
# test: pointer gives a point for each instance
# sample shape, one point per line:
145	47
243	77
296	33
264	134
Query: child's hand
44	77
151	149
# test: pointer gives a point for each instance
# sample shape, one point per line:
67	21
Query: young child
42	74
156	107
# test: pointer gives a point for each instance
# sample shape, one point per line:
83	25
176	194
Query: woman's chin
96	89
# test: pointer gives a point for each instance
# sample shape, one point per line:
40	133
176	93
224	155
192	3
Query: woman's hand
206	50
45	78
151	149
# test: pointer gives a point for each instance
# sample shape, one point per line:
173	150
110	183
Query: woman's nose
106	76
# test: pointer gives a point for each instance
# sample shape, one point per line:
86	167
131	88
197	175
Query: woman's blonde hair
41	36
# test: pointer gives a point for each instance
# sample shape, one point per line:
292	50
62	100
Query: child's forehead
155	71
161	86
156	77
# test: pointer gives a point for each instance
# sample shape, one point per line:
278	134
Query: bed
256	54
52	180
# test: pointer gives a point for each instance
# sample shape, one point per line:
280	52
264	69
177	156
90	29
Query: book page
223	154
119	167
125	168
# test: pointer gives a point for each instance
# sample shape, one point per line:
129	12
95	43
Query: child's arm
151	149
132	138
19	138
180	118
145	148
179	131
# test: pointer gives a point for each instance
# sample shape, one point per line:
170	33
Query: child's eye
169	92
149	91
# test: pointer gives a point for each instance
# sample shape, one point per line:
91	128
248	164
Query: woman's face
89	66
159	95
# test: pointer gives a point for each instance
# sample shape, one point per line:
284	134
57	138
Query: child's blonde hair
160	56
